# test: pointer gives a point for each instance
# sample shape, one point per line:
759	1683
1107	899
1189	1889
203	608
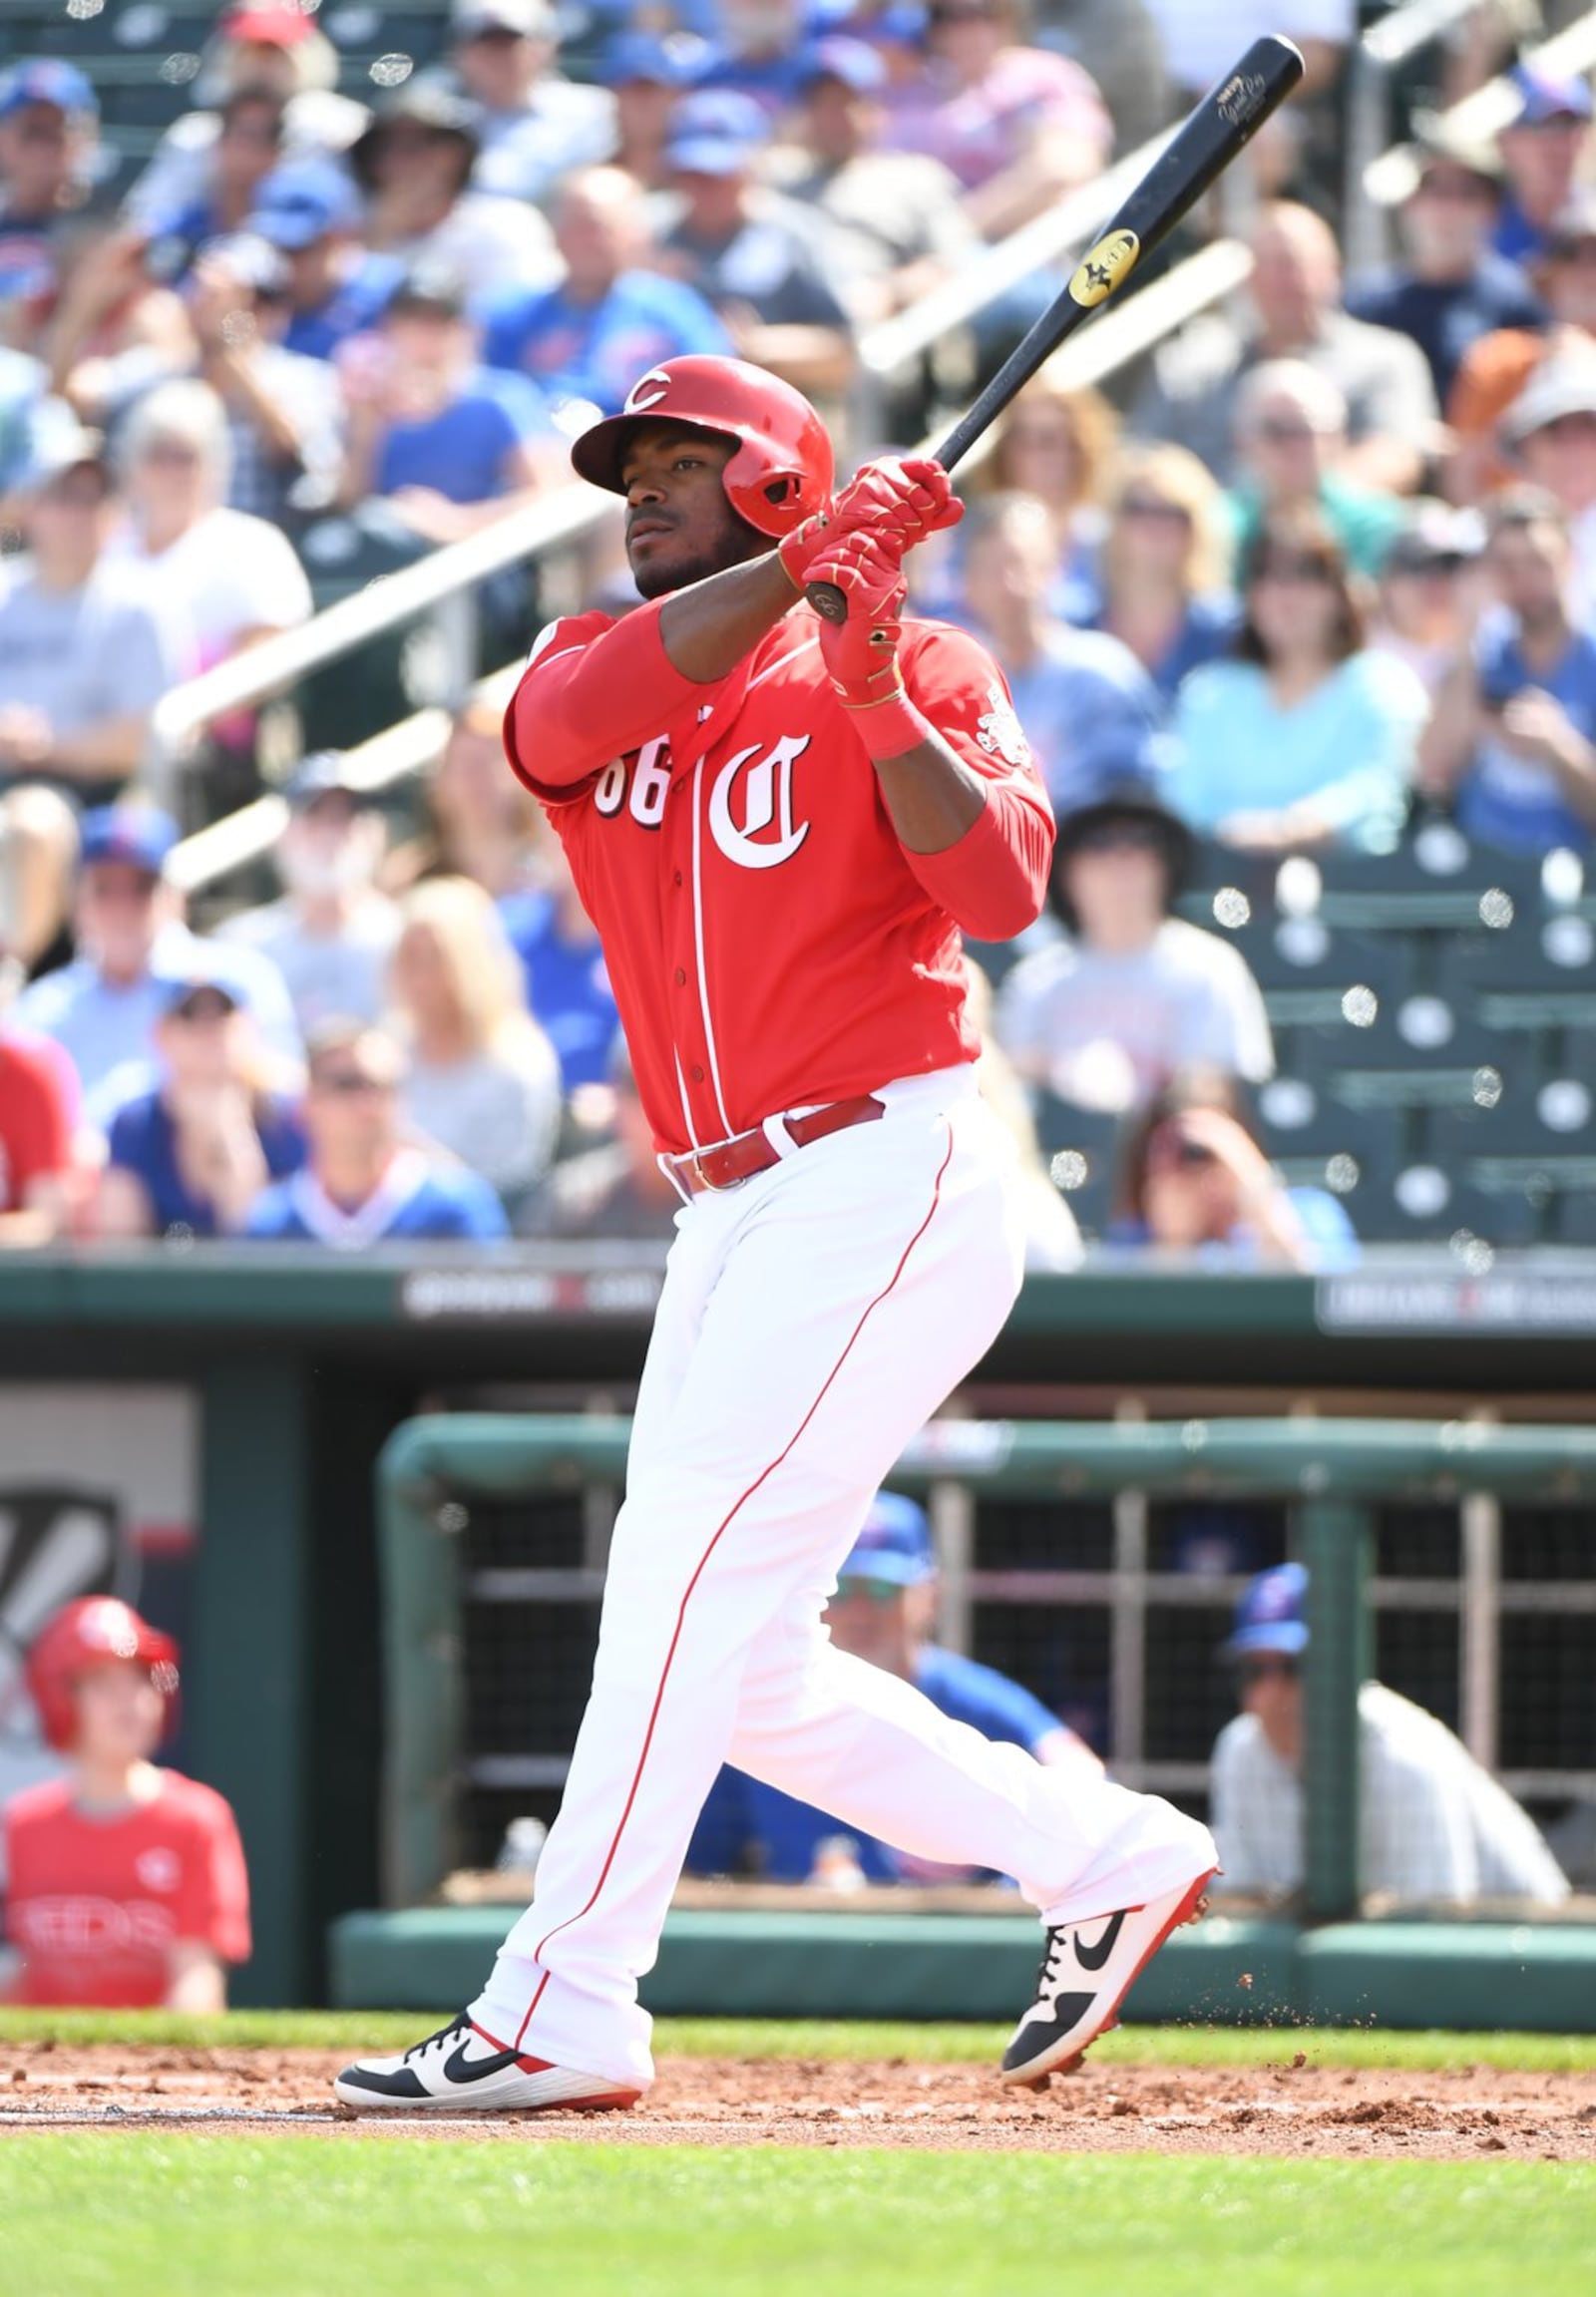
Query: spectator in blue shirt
1513	741
1453	286
49	124
1090	711
363	1184
535	125
310	212
882	1614
1163	571
103	1007
1541	151
249	143
609	320
450	444
191	1157
648	71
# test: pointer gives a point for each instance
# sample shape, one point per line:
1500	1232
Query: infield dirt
1292	2107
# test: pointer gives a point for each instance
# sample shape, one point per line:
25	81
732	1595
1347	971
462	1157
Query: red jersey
771	943
97	1904
36	1109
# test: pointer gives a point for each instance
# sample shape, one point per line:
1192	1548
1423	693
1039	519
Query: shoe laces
445	2034
1051	1976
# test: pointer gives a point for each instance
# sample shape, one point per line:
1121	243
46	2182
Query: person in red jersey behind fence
126	1884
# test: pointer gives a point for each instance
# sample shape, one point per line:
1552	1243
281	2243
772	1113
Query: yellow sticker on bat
1103	269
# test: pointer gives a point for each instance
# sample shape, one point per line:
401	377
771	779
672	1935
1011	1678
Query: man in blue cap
1435	1824
883	1612
1542	149
310	212
132	946
48	123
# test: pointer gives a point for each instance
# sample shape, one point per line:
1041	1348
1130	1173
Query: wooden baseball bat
1228	117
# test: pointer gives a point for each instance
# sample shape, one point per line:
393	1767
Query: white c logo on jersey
768	799
648	391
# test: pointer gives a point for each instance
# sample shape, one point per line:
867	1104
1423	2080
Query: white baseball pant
811	1322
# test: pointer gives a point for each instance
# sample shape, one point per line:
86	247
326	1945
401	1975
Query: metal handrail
414	745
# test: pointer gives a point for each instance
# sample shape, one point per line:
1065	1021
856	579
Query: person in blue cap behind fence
1435	1824
884	1611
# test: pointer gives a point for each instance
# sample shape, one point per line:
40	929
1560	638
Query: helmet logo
767	800
648	391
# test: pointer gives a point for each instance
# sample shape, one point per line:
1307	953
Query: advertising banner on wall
98	1495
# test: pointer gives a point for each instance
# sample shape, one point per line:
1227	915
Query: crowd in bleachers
1299	614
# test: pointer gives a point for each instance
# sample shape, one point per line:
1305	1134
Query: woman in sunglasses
1305	738
1193	1180
1165	585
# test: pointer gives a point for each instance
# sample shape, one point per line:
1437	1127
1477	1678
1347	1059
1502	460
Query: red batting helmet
92	1632
782	470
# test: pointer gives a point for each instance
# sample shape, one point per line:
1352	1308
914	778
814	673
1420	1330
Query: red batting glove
897	503
861	653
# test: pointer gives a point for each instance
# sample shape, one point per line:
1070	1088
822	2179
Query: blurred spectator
1017	125
39	839
117	327
1057	445
1295	313
49	123
615	1190
483	823
126	1887
1090	711
310	212
414	165
757	257
1551	430
229	578
896	217
567	982
189	1156
1052	1241
84	655
363	1182
132	946
1500	366
448	444
534	125
610	318
332	933
22	383
1191	1179
881	1619
1429	587
1434	1825
1104	1017
1541	153
1164	577
1291	440
1306	738
648	71
1513	741
1120	45
484	1082
38	1090
277	48
756	51
1203	38
252	132
1453	288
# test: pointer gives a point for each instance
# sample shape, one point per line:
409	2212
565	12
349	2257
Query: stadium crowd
1321	568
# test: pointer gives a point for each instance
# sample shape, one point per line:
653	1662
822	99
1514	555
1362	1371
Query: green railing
1332	1472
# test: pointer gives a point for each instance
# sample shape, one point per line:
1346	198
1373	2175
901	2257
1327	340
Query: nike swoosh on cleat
459	2067
1094	1957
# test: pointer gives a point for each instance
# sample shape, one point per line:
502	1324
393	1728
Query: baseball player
779	826
125	1883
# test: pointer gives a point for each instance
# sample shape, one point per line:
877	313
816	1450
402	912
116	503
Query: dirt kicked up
1289	2108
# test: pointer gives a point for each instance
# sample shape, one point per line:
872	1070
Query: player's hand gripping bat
1226	120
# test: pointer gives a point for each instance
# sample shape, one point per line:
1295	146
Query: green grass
214	2216
355	2031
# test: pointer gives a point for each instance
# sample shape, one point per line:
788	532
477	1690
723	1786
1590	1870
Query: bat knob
828	600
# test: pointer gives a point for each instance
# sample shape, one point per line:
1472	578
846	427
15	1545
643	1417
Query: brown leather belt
738	1159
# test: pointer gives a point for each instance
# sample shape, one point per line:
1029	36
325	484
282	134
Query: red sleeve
992	882
214	1901
593	689
35	1118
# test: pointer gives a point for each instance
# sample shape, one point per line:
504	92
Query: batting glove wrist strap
889	727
